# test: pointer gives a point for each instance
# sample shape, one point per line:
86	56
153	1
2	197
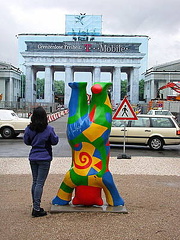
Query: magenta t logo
87	47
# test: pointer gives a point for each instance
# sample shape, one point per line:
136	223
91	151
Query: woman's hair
38	120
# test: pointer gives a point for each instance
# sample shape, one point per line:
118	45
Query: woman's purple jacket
41	143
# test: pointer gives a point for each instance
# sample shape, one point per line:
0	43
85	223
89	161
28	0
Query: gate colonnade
115	65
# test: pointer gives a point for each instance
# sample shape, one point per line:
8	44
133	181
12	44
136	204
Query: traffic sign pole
123	155
124	144
124	112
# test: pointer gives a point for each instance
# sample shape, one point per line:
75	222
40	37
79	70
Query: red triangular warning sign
125	111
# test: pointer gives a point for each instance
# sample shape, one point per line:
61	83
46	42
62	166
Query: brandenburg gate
83	52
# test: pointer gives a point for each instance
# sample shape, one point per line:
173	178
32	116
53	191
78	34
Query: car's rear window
153	122
141	122
118	123
162	113
162	122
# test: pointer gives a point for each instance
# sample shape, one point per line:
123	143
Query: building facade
84	51
10	84
159	76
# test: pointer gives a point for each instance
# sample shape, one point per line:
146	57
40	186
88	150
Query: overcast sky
158	19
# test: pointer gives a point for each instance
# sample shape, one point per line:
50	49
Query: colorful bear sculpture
88	132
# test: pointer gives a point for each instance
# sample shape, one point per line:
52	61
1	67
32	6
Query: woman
41	137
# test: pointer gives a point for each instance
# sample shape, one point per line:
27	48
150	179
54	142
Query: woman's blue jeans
40	170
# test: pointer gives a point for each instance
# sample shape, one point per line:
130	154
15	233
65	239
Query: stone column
134	85
128	83
53	89
48	85
69	77
152	90
96	74
34	72
116	85
29	85
11	90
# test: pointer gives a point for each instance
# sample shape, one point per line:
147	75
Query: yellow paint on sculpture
64	195
109	198
95	181
107	102
84	160
94	131
68	181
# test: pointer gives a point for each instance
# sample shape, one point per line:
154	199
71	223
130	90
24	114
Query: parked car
153	131
160	112
10	124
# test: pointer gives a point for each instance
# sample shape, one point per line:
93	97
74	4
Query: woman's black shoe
40	213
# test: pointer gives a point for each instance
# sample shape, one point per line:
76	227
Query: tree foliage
141	90
58	87
40	87
123	88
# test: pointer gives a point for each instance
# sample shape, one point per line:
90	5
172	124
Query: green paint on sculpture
88	132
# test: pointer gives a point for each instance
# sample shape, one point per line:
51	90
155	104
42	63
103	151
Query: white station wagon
153	131
11	125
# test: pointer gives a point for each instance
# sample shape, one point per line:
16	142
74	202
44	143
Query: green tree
40	87
123	88
141	90
59	87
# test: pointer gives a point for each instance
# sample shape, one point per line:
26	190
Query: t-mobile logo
88	47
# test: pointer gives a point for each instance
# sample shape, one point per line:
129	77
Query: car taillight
178	132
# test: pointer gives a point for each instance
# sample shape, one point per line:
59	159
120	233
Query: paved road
16	147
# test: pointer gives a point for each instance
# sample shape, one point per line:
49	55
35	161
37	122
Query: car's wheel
156	143
7	132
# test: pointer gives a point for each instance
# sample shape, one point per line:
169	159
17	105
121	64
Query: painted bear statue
88	130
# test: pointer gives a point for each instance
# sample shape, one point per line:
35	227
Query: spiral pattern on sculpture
84	161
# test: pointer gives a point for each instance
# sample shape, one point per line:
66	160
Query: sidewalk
149	186
136	165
